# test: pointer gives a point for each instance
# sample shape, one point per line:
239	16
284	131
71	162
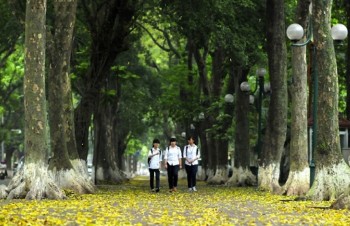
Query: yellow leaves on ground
133	204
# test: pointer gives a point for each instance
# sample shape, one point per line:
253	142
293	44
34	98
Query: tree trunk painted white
330	183
276	128
299	173
210	173
3	192
34	182
201	175
220	177
343	202
116	176
268	178
332	173
241	178
297	183
82	175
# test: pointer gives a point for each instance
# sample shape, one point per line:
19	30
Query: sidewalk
132	203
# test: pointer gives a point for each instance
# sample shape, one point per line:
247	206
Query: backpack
149	158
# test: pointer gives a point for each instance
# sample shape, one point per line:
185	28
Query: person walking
191	154
154	159
172	162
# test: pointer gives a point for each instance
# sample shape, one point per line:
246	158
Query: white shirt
156	159
172	155
191	152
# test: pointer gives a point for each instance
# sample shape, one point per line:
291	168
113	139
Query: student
154	159
172	162
191	154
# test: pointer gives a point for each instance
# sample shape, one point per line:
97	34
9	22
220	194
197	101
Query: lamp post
260	73
295	32
262	88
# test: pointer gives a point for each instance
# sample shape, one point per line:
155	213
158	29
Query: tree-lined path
133	204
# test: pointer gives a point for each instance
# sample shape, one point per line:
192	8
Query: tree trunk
269	168
34	181
105	159
332	173
299	172
204	150
347	78
242	176
61	124
205	123
220	149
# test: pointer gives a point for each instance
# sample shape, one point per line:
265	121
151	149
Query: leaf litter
132	203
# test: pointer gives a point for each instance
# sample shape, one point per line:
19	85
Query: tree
299	173
332	173
275	136
34	181
69	170
242	175
347	78
109	24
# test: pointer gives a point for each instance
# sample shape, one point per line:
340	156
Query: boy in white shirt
154	159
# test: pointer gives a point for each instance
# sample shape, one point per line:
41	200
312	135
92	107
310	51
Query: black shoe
157	189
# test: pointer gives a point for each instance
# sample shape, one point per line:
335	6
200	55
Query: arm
198	156
185	154
180	158
166	159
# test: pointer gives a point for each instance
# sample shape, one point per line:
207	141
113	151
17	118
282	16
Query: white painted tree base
76	179
115	176
220	177
241	178
343	202
34	182
330	183
298	183
3	192
268	178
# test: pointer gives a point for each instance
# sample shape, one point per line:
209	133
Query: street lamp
201	116
260	76
295	32
262	88
229	98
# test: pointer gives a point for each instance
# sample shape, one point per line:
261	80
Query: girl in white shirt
172	162
191	154
154	159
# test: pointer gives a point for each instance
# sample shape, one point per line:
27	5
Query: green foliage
134	146
11	96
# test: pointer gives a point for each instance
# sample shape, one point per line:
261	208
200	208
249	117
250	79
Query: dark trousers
151	181
172	175
191	175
